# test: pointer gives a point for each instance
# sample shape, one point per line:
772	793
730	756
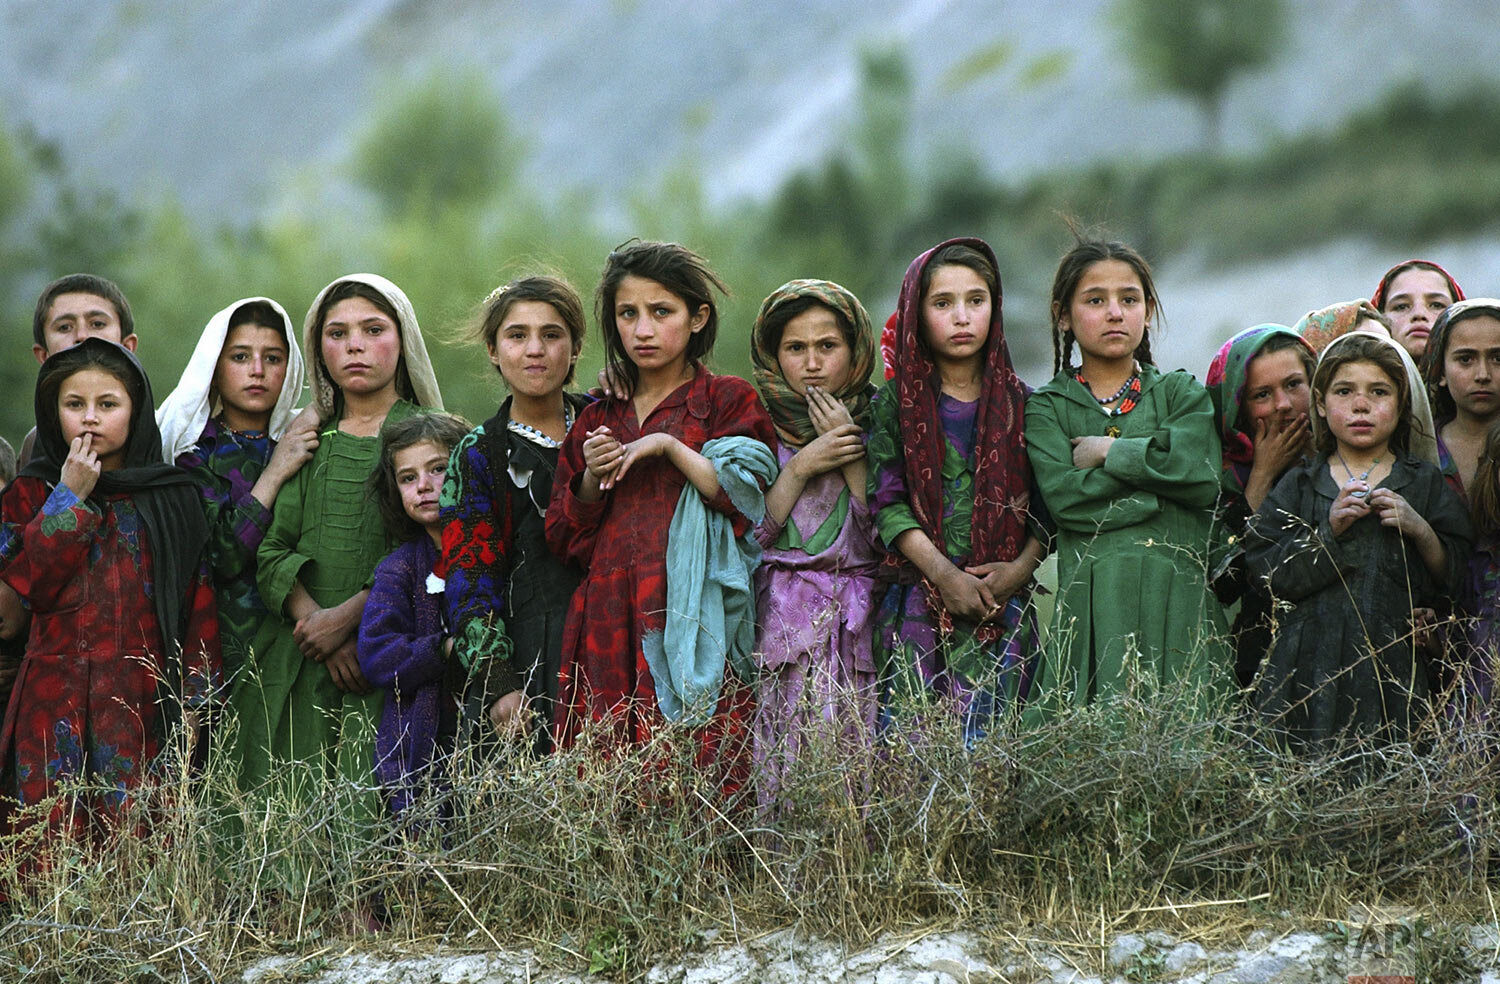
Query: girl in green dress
1127	459
304	700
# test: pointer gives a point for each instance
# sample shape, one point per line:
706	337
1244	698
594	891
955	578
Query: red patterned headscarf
1002	472
1378	298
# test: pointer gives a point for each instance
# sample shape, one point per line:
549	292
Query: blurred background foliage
435	197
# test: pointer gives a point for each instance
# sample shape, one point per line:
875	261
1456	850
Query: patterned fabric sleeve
236	527
53	547
886	485
476	562
201	654
390	647
278	561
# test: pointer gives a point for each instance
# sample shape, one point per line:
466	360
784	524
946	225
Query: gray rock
1124	949
1185	956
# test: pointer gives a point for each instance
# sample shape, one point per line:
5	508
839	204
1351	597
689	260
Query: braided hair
1070	270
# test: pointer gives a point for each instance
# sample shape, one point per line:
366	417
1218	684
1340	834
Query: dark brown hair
1484	493
258	313
684	274
1070	270
423	427
1364	347
80	283
773	326
544	288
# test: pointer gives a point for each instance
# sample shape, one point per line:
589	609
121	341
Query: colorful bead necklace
1130	390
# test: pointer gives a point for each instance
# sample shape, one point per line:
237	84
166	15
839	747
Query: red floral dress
84	703
621	542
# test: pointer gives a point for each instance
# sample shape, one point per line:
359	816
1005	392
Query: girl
307	700
227	424
1481	596
1462	372
1412	295
124	646
404	647
641	644
1348	544
814	353
1259	385
1128	460
507	594
950	488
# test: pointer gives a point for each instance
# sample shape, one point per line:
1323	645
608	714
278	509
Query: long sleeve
1289	544
52	547
1085	500
236	524
278	560
885	488
1180	459
737	412
572	524
1446	514
202	659
396	650
477	540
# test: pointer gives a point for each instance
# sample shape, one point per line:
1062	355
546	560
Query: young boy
71	309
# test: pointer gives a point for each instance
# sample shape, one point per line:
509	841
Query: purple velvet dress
815	602
401	652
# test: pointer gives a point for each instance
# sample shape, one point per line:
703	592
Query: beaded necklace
537	437
1130	390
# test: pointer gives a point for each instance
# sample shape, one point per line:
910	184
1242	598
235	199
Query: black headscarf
165	495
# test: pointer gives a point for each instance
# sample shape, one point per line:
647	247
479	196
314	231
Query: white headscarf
413	349
187	408
1421	440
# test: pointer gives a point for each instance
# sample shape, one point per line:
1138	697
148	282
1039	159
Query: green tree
441	142
1196	47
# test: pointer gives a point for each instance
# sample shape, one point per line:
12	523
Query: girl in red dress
620	484
124	646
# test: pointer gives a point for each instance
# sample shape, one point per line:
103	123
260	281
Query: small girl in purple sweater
404	647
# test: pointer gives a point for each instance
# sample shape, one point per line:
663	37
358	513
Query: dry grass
1114	817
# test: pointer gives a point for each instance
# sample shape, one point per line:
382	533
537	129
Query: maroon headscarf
1378	298
1002	472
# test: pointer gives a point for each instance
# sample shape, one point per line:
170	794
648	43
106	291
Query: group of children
755	563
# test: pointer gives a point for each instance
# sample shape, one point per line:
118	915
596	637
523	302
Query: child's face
74	317
93	402
1414	299
533	349
1108	311
1471	366
813	351
956	313
361	346
419	472
1276	388
1361	407
250	372
655	324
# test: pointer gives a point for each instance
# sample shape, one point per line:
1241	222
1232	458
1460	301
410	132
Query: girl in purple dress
815	588
404	647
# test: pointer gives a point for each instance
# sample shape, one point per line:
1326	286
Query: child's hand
1004	578
343	667
1352	504
614	384
843	445
1394	511
294	450
826	412
1277	448
967	596
650	446
320	634
1090	452
602	452
509	713
81	469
